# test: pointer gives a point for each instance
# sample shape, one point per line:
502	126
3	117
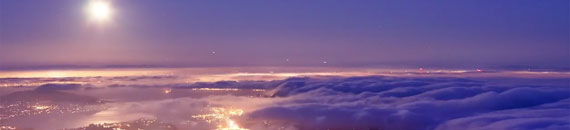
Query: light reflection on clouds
260	99
169	76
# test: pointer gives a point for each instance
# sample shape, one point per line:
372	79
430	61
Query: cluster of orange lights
222	117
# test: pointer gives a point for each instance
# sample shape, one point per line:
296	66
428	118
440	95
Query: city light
222	117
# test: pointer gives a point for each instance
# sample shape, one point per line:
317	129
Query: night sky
363	33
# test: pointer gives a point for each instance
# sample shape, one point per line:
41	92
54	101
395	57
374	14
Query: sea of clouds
420	104
340	103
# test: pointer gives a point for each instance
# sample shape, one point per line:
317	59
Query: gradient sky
348	33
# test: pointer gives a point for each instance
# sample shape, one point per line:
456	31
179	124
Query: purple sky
443	33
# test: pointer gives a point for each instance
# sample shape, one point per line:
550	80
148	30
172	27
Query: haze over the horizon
287	33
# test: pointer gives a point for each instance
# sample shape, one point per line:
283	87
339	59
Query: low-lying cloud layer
418	103
372	102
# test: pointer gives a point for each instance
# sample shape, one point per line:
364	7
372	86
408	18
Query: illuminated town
32	109
222	117
141	124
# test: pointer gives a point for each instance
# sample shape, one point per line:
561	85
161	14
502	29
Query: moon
99	10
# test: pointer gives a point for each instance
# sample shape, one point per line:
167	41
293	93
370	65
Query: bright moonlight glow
99	10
